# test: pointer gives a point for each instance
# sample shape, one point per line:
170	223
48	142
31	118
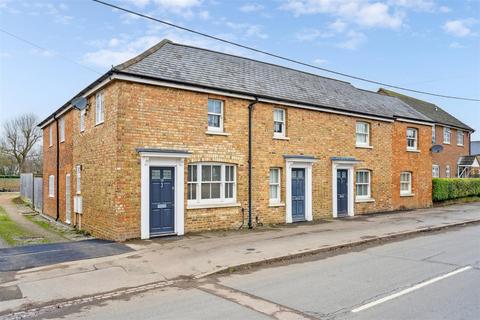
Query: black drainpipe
250	113
58	169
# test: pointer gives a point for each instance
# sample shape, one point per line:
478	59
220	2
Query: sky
428	45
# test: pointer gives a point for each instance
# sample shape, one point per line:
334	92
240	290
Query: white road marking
408	290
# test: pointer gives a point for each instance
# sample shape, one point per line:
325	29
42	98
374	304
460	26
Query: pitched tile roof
431	110
201	67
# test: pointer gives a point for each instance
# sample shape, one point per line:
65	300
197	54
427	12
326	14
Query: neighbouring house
469	166
182	139
449	132
474	147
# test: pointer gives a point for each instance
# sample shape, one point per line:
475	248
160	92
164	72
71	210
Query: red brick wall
418	163
451	152
138	115
65	167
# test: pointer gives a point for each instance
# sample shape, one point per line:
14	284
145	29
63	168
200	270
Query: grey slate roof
201	67
431	110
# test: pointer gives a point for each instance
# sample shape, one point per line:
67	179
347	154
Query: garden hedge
453	188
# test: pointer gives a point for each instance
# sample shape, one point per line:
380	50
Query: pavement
157	263
432	276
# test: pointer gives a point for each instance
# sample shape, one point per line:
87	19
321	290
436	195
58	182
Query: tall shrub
450	188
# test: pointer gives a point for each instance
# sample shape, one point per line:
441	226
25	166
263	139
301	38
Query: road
432	276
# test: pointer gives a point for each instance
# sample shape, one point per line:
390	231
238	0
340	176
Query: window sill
413	150
276	204
363	147
446	142
213	205
407	195
97	124
280	138
460	145
217	133
364	200
62	141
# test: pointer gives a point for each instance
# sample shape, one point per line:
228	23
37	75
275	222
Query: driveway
20	258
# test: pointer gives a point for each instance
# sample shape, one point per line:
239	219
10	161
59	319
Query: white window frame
61	127
278	198
99	108
218	201
283	123
447	135
460	137
221	114
51	186
435	171
78	170
367	134
408	182
368	184
434	135
50	136
414	138
82	120
447	171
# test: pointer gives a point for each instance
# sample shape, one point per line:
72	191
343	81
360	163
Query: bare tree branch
19	137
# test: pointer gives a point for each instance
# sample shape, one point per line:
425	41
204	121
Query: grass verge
48	225
12	233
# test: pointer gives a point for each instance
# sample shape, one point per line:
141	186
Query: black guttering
67	104
57	178
250	115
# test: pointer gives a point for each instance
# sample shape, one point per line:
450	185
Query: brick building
182	139
449	132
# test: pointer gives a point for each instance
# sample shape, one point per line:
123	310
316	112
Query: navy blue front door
162	199
342	192
298	194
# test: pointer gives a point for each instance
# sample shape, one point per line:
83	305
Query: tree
19	138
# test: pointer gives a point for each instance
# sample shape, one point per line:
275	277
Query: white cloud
419	5
360	12
377	15
444	9
106	57
251	7
176	5
460	27
205	15
249	30
354	40
320	61
43	53
138	3
312	34
456	45
338	26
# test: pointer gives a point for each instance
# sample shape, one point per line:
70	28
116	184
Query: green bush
450	188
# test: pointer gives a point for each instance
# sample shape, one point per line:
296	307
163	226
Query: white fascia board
415	121
57	116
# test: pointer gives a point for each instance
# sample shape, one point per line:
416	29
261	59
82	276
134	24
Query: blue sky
429	45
